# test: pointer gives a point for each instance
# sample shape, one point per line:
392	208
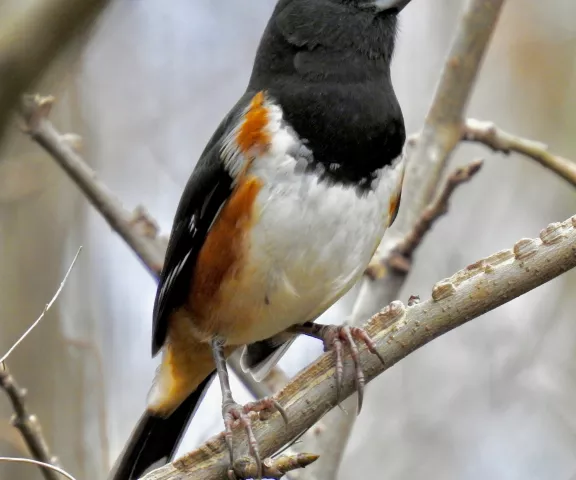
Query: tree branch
31	38
27	423
24	421
273	468
35	110
498	140
442	127
467	294
426	163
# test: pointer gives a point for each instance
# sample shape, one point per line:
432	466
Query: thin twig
45	465
490	135
400	258
27	423
46	308
469	293
426	163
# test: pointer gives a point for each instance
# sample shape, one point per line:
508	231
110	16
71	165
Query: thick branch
467	294
426	163
499	140
442	128
31	38
27	423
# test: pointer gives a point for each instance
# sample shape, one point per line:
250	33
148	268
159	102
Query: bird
280	217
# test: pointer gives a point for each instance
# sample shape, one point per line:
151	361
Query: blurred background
493	399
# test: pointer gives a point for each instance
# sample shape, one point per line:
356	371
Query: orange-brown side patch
222	254
393	207
186	363
252	135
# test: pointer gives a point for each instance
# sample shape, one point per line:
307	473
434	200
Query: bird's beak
397	5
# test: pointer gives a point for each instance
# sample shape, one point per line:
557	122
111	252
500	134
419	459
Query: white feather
310	244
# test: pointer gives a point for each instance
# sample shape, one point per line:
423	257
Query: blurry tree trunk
40	220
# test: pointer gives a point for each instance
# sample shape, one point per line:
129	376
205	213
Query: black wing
207	190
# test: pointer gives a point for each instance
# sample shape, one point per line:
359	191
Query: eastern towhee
281	215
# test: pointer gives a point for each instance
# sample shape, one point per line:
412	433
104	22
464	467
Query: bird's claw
334	337
235	414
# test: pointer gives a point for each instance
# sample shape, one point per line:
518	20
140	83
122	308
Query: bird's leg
334	338
233	412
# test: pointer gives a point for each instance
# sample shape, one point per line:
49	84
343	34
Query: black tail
154	440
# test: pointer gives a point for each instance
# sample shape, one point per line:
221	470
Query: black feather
327	64
155	439
207	190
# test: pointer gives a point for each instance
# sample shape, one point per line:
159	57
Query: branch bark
477	289
426	163
31	38
498	140
273	468
442	127
27	423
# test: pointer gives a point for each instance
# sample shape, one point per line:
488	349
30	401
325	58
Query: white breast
312	241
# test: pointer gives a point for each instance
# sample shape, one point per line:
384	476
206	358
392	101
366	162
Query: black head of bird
327	62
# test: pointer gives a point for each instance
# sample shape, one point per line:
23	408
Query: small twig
273	468
27	423
45	465
46	308
490	135
401	257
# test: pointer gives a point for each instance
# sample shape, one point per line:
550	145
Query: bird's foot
334	338
235	414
